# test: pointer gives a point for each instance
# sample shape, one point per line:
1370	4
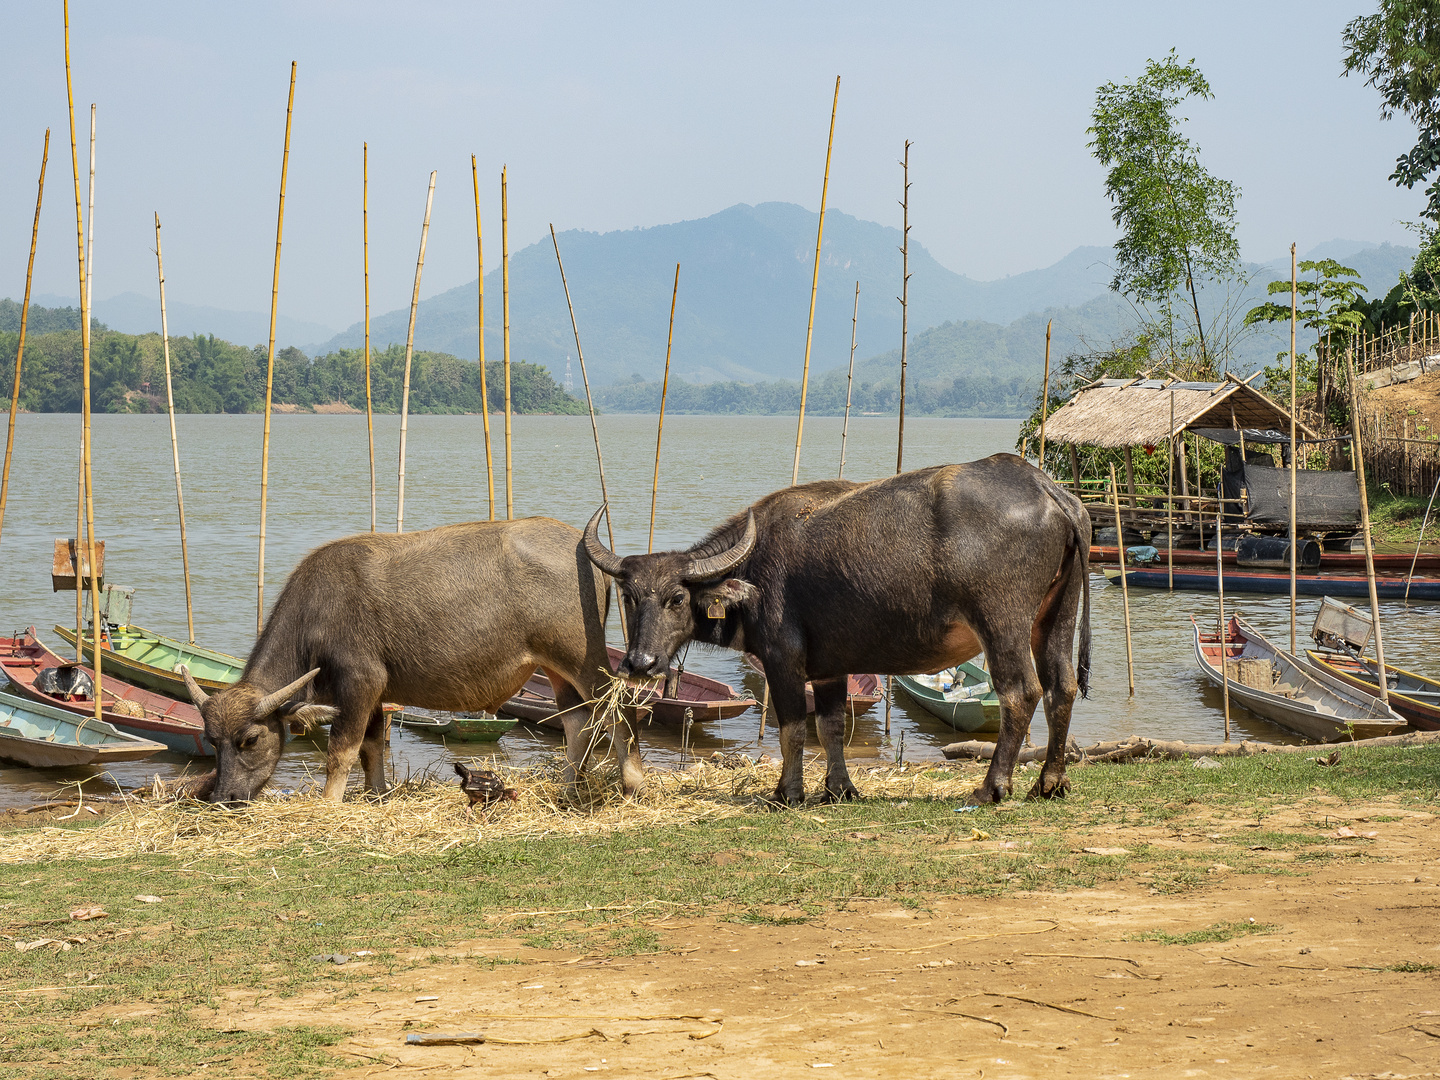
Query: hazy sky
617	116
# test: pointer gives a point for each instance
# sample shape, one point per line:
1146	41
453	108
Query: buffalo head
671	597
248	729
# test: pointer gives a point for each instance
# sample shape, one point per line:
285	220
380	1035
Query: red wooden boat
707	699
176	724
1389	562
864	690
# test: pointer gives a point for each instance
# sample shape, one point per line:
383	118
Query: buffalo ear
732	592
308	715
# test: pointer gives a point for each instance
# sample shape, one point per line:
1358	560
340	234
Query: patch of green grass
1412	967
1221	931
628	941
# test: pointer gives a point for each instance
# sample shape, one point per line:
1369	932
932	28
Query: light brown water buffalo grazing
909	574
457	617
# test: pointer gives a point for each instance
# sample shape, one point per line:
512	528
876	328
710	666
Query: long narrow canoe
176	724
975	708
463	726
151	660
1391	562
45	737
863	690
1388	587
1412	696
1295	696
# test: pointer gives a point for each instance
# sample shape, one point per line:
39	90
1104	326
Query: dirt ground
1045	984
1422	395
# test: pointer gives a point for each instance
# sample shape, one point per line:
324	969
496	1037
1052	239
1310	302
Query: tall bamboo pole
904	299
1294	449
270	363
365	244
81	482
410	352
1359	458
1124	585
1045	398
85	381
484	388
849	380
660	430
814	287
174	440
505	315
1170	498
20	345
1220	589
1414	559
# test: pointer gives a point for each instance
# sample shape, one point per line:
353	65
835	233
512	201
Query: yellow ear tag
716	610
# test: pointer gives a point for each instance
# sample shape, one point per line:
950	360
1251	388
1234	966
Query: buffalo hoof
847	792
985	794
783	800
1050	788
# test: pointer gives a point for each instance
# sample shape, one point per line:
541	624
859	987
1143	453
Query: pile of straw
428	816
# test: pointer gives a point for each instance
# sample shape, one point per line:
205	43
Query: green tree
1177	220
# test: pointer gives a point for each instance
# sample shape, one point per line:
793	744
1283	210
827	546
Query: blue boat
1390	587
44	737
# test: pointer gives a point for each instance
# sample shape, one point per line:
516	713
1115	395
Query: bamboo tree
409	352
174	440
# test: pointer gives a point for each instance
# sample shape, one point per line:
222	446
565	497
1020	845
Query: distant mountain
131	313
744	294
1380	265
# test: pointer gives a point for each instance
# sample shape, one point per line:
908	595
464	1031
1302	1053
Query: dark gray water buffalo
450	618
909	574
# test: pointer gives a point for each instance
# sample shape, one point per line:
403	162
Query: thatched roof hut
1118	413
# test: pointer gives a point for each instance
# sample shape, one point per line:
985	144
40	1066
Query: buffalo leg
1051	640
580	735
789	700
359	704
830	698
372	753
1018	688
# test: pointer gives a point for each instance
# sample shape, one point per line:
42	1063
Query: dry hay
429	816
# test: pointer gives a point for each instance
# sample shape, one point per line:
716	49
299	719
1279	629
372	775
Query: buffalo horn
716	565
599	554
198	696
270	702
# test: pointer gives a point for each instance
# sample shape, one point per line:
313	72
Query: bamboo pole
1424	522
904	307
660	429
1220	590
814	287
1045	398
365	243
1365	527
849	381
20	345
1075	468
270	363
174	440
1169	493
80	463
1294	449
484	388
409	353
1124	585
89	488
505	312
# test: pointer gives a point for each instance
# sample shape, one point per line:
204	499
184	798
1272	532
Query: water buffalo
451	618
909	574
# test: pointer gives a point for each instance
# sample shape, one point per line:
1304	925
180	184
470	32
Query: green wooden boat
461	726
138	656
969	703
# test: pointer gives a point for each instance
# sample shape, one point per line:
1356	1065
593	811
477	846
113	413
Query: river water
711	467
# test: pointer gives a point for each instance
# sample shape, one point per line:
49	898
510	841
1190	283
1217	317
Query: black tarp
1324	500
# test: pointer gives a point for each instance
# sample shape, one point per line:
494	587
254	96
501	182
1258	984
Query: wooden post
409	352
1075	468
484	388
904	318
270	365
1365	528
814	287
20	345
1220	590
1124	584
1170	498
505	313
89	491
365	244
1045	397
1129	486
849	381
1294	447
174	440
660	429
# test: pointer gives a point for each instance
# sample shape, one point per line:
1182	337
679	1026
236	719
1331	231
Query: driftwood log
1136	748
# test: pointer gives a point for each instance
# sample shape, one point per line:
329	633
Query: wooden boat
864	690
1388	587
464	726
707	699
1275	685
45	737
151	660
1413	696
978	710
176	724
1392	562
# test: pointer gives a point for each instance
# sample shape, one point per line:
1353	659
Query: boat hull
1421	714
1252	581
150	660
981	714
44	737
1385	562
863	690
